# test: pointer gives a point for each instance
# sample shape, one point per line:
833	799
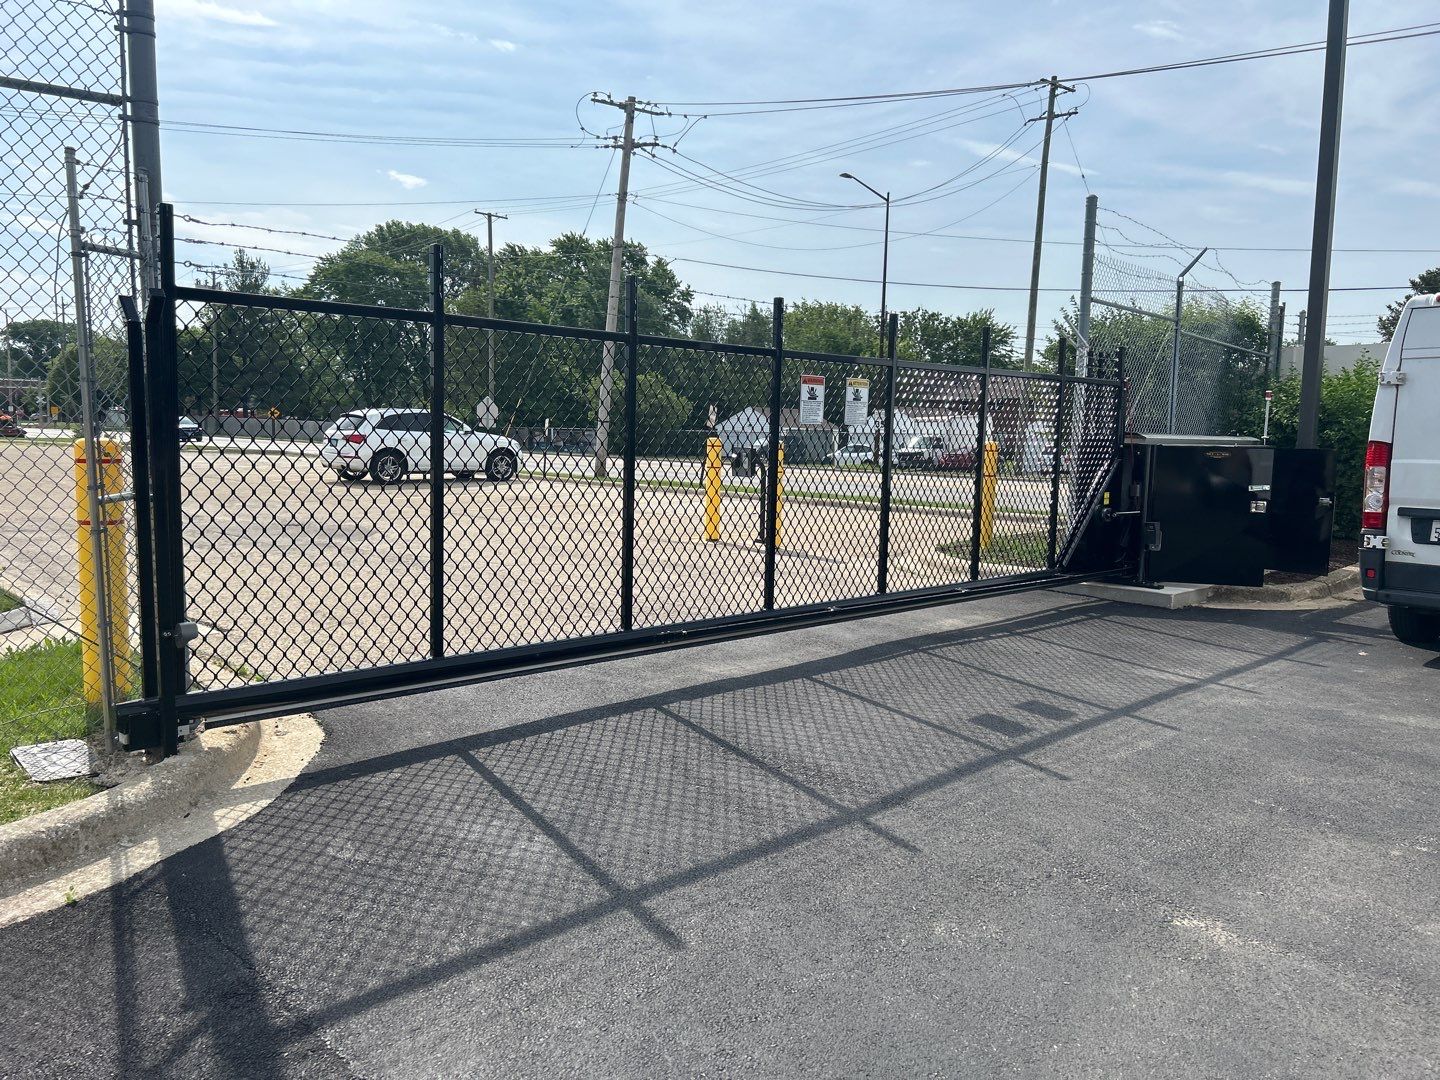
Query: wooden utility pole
627	146
1050	117
490	293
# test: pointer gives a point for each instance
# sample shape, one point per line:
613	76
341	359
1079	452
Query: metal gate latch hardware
1392	378
1153	539
186	632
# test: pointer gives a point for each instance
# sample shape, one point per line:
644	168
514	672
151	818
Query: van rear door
1413	525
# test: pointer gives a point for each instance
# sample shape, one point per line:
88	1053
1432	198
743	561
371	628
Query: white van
1400	514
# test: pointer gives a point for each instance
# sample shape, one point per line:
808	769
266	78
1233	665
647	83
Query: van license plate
1435	531
1370	541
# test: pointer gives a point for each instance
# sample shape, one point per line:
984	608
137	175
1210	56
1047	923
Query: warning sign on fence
857	402
812	399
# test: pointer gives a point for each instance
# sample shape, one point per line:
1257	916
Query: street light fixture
885	257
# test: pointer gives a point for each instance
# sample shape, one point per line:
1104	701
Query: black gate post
1057	458
162	371
437	451
892	330
140	486
980	430
768	491
627	510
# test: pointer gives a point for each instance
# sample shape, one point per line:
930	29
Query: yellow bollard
714	477
990	481
779	490
114	553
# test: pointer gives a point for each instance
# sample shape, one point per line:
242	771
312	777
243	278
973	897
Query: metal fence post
437	451
980	436
892	331
627	510
772	469
1122	419
1173	412
162	364
140	487
1087	287
1057	457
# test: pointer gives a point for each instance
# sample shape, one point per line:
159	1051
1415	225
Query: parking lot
291	571
1027	837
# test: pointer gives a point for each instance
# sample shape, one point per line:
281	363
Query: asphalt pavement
1033	836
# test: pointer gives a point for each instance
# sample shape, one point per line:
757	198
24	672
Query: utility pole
144	115
490	292
1277	327
1050	117
1300	331
627	146
1327	173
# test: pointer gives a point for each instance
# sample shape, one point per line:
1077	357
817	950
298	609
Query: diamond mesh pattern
304	556
73	45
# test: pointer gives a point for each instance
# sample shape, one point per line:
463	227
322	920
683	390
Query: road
1025	837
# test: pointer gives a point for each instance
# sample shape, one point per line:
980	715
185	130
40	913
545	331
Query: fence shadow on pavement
413	874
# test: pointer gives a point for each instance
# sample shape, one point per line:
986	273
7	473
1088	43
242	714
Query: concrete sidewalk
1029	836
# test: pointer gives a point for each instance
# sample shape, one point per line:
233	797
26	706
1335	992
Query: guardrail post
892	331
1057	457
976	498
627	509
771	505
437	451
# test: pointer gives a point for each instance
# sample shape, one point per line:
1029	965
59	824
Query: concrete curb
39	845
1337	581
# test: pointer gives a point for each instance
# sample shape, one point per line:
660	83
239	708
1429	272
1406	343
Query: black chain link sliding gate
331	523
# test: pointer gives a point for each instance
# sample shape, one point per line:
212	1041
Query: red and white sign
812	399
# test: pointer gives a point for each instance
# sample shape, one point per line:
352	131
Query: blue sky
1221	156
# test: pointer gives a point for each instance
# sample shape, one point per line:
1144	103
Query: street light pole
885	256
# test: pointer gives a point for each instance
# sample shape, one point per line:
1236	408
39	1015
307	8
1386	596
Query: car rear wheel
465	475
1415	627
501	465
387	467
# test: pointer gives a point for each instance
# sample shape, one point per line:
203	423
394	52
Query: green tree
1428	282
31	344
955	339
112	377
1346	400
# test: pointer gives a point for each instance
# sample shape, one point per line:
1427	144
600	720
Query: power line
1376	37
990	288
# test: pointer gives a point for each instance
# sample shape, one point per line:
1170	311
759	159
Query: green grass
41	698
9	601
1030	548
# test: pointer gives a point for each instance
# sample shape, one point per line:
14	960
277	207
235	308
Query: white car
389	444
855	455
1400	508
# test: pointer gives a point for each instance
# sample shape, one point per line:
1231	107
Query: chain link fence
64	88
1199	361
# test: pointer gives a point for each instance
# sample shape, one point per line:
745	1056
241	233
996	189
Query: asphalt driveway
1034	836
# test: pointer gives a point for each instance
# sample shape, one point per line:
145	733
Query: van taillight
1376	498
356	437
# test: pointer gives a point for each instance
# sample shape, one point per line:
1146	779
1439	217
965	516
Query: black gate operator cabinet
1222	511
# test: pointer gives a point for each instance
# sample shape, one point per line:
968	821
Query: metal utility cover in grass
67	759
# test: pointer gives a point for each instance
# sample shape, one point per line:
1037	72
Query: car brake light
355	437
1376	499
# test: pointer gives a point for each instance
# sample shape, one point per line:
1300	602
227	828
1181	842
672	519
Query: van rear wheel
1415	627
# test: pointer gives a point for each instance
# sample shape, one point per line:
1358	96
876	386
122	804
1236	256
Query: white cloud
1160	28
501	45
407	180
1426	189
1275	185
208	10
